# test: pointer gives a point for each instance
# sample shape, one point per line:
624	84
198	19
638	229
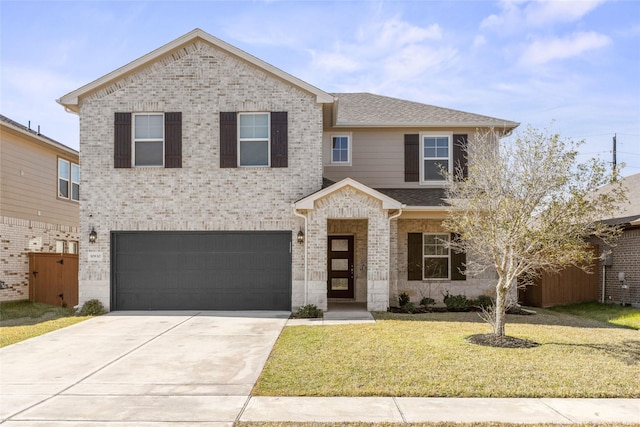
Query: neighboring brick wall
199	81
626	258
472	287
18	237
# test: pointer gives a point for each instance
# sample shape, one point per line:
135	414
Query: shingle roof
632	188
369	110
416	196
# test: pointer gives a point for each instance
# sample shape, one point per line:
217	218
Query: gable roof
369	110
308	202
70	100
36	135
625	212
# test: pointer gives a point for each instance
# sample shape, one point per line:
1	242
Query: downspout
295	212
604	278
392	217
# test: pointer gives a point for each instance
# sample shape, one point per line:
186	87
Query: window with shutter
148	140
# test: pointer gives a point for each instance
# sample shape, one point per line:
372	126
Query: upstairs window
68	180
148	140
253	143
340	149
435	156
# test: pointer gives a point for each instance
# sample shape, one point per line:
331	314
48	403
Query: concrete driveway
138	368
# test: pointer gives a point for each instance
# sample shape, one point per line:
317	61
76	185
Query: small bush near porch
428	355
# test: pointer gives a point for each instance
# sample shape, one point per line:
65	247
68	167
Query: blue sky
570	66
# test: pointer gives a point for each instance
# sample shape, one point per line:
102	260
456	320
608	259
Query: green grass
21	320
577	357
609	313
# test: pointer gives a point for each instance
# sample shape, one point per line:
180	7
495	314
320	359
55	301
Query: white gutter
392	217
295	212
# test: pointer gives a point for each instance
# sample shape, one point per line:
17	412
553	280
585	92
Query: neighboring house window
73	247
60	246
435	157
148	140
340	149
436	256
68	180
430	258
253	141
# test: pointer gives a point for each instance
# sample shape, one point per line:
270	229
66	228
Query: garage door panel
201	270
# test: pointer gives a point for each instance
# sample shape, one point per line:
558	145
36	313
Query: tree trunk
500	309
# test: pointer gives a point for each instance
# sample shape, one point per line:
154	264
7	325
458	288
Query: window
253	143
436	256
435	155
73	246
340	149
60	246
68	180
148	137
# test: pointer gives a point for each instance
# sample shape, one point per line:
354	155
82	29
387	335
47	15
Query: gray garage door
177	270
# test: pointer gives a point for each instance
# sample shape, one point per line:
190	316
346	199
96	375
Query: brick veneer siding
199	81
472	287
349	203
18	238
626	258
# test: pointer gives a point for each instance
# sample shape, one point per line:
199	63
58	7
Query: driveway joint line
404	420
98	370
244	407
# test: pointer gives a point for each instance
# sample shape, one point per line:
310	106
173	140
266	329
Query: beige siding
29	171
377	156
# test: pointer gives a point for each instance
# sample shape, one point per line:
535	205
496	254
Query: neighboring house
39	194
214	180
624	258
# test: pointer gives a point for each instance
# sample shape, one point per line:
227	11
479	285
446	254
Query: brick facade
625	258
199	81
19	237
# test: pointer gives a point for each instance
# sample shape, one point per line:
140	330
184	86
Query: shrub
483	301
403	299
427	301
309	311
93	307
456	302
409	308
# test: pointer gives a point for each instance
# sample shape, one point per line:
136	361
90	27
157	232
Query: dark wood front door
340	267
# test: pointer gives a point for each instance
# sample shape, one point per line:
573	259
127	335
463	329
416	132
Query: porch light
93	235
300	237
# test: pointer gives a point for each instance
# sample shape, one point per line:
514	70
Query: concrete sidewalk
412	410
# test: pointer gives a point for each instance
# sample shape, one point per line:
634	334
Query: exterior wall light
93	235
300	237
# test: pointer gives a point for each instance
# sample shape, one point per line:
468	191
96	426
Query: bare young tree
527	206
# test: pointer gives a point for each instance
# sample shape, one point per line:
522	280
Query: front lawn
609	313
20	320
427	355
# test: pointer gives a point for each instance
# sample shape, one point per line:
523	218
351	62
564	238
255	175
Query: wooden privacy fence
53	278
570	286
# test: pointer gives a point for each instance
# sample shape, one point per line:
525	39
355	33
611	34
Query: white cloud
520	15
543	51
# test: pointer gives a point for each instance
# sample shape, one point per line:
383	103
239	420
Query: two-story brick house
214	180
39	195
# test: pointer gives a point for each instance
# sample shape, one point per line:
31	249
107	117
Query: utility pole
615	163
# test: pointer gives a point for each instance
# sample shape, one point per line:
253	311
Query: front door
340	268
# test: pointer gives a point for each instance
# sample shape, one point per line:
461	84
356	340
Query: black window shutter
122	141
412	158
279	140
414	259
173	140
228	140
458	259
459	155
